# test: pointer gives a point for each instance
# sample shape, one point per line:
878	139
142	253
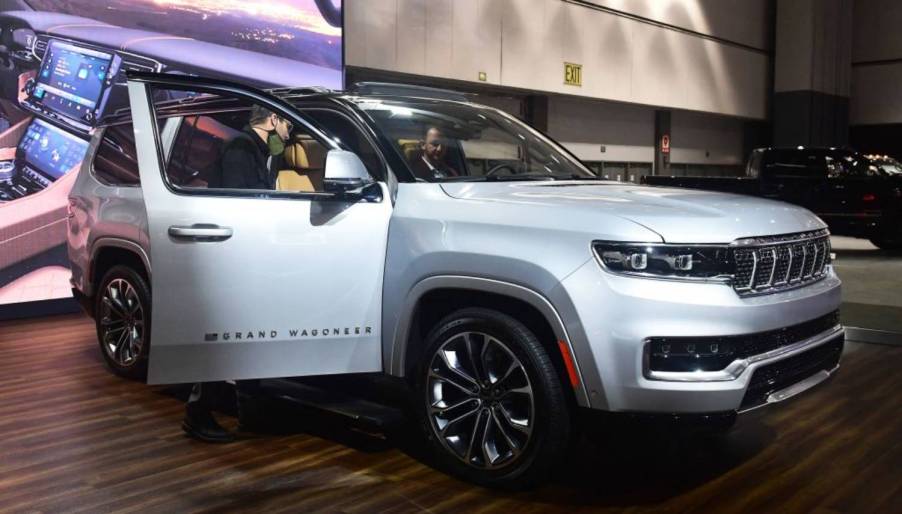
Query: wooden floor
74	438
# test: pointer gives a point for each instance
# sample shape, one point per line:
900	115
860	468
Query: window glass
116	160
891	167
449	141
753	168
347	134
843	166
235	144
794	163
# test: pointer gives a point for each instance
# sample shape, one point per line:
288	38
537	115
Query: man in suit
430	163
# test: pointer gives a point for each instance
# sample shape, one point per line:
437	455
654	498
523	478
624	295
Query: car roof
202	103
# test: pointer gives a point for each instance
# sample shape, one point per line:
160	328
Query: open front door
247	280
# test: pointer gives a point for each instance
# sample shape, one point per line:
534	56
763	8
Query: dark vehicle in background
855	194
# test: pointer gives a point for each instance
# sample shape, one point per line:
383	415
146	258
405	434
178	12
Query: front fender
398	328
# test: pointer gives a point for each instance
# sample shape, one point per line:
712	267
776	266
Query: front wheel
491	404
122	318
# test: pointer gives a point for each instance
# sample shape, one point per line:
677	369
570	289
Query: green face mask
275	143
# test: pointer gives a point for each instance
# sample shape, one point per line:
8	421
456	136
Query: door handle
200	232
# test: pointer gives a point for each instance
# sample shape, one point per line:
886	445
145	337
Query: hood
677	215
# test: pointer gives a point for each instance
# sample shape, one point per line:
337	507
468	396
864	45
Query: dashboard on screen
51	150
73	80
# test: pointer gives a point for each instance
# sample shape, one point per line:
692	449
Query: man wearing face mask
252	159
249	161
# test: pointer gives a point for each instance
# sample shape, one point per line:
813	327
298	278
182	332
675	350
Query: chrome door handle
200	232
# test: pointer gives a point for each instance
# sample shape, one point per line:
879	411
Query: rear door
251	282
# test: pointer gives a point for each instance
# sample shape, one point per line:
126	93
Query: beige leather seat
305	159
411	148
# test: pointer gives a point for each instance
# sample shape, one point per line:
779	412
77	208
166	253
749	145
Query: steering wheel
498	167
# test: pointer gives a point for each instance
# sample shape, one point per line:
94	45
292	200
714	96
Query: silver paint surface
306	263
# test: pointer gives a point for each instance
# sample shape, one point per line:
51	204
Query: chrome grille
771	264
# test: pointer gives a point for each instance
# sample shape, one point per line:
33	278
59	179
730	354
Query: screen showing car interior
71	79
51	150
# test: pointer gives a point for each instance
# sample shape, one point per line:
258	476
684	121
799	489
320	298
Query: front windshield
444	141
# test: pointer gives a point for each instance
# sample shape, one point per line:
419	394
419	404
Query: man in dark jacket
251	159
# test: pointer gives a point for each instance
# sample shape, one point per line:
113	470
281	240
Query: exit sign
573	74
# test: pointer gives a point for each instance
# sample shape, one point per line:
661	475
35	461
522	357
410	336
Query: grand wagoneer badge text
295	333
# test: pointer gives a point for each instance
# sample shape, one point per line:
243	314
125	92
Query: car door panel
258	286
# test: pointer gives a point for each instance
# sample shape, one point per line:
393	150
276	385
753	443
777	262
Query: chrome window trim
735	369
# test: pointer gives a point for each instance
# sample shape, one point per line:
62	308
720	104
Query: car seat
305	162
412	149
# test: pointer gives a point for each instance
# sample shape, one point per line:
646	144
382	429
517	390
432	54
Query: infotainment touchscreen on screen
50	150
72	79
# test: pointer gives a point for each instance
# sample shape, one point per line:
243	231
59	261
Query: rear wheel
491	404
122	318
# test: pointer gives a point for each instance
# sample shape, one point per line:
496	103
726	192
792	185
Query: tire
123	326
522	416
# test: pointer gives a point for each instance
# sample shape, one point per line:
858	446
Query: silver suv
449	245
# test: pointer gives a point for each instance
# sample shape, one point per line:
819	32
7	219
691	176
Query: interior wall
704	139
742	21
583	126
876	63
627	133
524	44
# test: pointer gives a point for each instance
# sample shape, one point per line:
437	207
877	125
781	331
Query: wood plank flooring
75	438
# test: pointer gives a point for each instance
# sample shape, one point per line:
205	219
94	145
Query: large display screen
51	150
71	79
267	43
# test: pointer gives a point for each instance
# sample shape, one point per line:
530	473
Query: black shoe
200	424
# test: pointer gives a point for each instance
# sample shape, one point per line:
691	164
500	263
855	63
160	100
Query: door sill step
367	416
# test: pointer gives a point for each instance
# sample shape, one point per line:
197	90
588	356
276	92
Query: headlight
688	262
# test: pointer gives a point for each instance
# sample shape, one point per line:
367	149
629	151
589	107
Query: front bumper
617	315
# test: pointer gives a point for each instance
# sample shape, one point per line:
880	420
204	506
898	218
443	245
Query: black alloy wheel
493	408
122	318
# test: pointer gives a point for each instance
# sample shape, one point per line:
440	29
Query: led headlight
705	262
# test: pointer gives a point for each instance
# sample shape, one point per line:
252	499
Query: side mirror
345	173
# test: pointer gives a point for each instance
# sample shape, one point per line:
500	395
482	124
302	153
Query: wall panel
524	44
743	21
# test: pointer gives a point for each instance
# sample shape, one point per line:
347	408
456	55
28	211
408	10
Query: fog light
667	354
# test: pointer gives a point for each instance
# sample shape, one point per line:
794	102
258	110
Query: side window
753	168
116	160
848	166
349	135
235	144
792	164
